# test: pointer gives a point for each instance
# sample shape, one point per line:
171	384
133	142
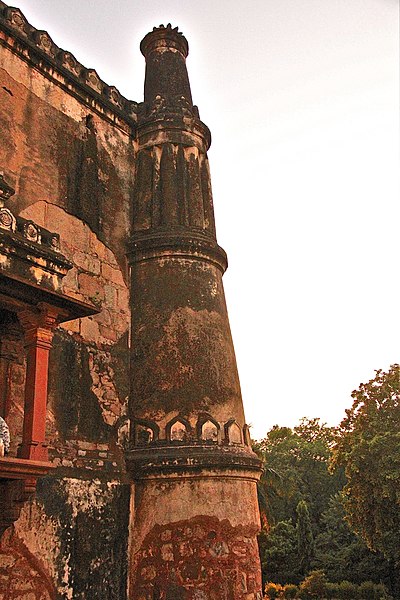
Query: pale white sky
301	97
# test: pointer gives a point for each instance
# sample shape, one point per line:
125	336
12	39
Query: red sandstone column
195	515
38	325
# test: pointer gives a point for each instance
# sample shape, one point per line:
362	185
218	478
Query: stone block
108	334
68	291
70	228
112	275
87	445
37	213
110	295
86	262
123	299
104	317
89	330
71	326
101	251
91	288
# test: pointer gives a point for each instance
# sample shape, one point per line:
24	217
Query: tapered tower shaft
196	514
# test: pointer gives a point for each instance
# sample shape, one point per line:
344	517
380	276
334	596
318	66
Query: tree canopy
304	524
368	447
296	468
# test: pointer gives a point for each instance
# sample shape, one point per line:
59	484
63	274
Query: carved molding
193	461
146	432
189	243
7	220
41	45
160	36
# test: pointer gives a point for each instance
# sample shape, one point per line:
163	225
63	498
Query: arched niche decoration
246	435
145	432
178	430
233	432
208	429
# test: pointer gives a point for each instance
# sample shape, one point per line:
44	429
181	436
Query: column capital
39	322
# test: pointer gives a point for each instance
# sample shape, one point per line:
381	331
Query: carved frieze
32	232
27	229
44	42
93	80
7	220
16	19
206	430
29	39
114	95
68	61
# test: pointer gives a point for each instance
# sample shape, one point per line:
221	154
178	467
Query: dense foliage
304	524
368	447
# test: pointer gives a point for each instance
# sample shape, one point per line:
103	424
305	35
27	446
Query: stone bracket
18	478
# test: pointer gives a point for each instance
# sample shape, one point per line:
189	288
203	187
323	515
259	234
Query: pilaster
38	324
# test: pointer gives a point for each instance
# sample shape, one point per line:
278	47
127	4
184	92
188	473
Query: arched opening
145	432
233	433
178	430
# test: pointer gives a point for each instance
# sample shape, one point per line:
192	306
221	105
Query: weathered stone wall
208	556
69	543
66	146
56	148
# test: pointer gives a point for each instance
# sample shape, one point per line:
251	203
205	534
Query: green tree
296	462
342	554
305	538
368	447
278	551
296	468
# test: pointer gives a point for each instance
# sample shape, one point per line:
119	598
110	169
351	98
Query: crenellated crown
164	37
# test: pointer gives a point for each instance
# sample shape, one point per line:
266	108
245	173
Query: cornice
60	66
193	461
179	242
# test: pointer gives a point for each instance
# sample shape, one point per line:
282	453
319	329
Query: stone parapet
60	66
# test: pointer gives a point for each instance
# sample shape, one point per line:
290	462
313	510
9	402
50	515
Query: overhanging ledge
17	294
20	468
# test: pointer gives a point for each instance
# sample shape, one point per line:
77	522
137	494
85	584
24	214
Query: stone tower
195	514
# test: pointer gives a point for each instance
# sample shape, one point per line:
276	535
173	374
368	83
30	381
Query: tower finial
166	81
164	37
